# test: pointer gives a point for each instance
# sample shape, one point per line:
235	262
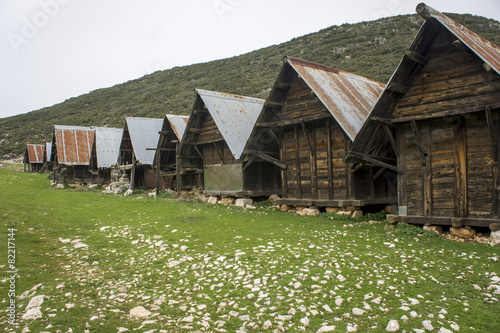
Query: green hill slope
372	49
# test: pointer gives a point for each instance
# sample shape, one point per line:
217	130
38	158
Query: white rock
212	200
455	327
267	324
69	305
357	312
341	278
444	330
495	237
305	321
297	285
33	313
404	318
339	301
414	301
183	248
244	318
351	327
243	202
327	309
139	312
59	186
36	302
80	245
188	319
122	329
326	329
413	314
427	325
392	326
128	193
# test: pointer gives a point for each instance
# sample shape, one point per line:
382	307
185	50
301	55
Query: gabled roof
73	144
35	153
484	49
348	97
144	135
234	115
369	135
107	144
178	124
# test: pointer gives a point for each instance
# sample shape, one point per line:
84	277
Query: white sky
52	50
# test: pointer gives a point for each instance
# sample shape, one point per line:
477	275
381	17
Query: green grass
218	264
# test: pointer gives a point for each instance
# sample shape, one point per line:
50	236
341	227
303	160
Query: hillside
372	49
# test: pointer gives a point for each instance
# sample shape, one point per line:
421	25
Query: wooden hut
166	157
440	112
71	147
33	158
211	150
309	120
137	151
104	153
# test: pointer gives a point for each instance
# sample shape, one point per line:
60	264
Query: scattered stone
351	328
188	319
444	330
93	186
357	213
139	312
79	245
326	329
465	233
59	186
305	321
226	201
427	325
128	193
267	324
273	198
244	318
436	228
495	237
357	312
495	226
391	218
327	309
308	212
33	313
392	326
118	191
243	202
35	302
286	208
297	285
332	210
152	194
212	200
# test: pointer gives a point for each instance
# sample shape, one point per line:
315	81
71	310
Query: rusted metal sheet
234	115
348	97
178	124
484	49
107	144
35	153
73	144
48	152
144	135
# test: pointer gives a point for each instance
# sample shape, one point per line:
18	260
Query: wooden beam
161	149
218	152
329	159
386	121
198	152
418	58
275	137
373	160
272	104
442	114
267	158
304	129
493	136
460	156
199	112
282	85
389	135
281	123
379	173
248	163
418	139
194	130
166	132
297	161
397	88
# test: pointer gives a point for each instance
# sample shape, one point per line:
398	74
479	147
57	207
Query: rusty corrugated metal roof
35	153
348	97
483	48
48	151
107	144
234	115
144	134
178	124
73	144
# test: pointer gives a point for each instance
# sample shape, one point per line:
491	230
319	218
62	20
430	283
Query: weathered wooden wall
450	162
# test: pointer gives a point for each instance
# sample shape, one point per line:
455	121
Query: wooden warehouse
441	114
137	151
71	147
33	158
211	151
309	120
166	152
104	153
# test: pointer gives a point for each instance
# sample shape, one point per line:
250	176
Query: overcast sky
52	50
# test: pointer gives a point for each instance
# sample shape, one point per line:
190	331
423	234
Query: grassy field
210	268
